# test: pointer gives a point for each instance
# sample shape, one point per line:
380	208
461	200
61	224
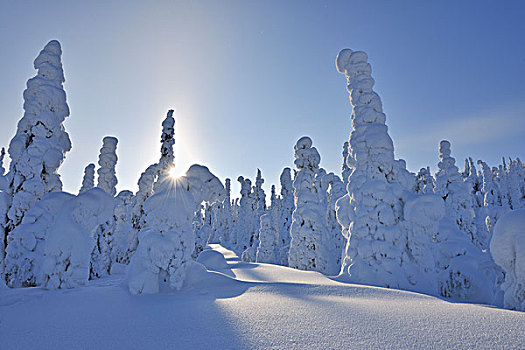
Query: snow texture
167	243
507	247
107	161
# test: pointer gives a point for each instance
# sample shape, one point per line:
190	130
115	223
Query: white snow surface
249	306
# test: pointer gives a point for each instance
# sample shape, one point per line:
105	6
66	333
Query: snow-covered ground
248	306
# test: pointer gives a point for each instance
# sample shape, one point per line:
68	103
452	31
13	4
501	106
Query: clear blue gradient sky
248	78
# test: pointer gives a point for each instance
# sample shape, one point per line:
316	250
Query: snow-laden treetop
306	156
367	104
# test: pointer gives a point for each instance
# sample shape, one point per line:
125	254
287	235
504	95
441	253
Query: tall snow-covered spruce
372	209
39	146
309	234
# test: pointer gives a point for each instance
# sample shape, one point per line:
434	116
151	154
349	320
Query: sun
174	173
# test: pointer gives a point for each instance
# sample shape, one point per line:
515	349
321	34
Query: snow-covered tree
223	220
88	181
107	161
516	183
286	209
150	179
309	234
258	209
507	247
102	256
166	245
422	214
424	181
53	244
471	177
371	212
456	194
268	248
337	190
203	232
146	182
167	140
124	238
245	225
39	146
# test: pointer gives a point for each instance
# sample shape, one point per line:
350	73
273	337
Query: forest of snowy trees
454	234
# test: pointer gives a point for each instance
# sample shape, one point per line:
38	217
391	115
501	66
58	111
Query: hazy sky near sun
248	78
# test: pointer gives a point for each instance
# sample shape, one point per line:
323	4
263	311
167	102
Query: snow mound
508	250
213	260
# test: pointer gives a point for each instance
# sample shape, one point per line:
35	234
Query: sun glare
174	173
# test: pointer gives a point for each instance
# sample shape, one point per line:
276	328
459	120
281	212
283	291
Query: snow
508	250
250	306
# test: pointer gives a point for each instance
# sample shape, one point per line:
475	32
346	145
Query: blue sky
248	78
